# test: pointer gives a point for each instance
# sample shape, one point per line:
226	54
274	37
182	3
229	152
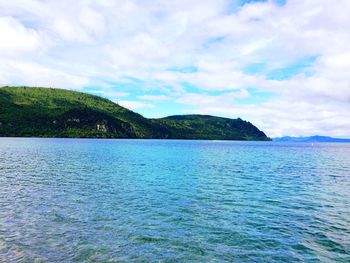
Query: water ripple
67	200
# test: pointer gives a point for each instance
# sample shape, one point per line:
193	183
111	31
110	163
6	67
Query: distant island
316	138
49	112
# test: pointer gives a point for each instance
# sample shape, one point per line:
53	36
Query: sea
118	200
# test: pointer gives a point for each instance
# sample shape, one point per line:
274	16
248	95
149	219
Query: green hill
47	112
211	127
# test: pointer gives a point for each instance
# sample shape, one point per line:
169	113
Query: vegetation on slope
211	127
47	112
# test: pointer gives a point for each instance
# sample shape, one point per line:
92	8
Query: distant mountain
310	139
47	112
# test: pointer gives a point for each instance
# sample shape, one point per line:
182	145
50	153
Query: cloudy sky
284	65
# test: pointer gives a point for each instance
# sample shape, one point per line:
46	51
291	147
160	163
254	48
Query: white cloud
154	97
33	74
225	100
134	104
15	38
94	43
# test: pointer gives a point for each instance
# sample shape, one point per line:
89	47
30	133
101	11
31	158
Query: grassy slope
46	112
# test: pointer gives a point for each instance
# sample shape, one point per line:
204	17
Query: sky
283	65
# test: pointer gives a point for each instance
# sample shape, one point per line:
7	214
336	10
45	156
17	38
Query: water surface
75	200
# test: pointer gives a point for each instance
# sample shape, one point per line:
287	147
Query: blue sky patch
255	69
213	41
291	70
235	4
282	73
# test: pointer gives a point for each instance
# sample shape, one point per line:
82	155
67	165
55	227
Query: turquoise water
73	200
